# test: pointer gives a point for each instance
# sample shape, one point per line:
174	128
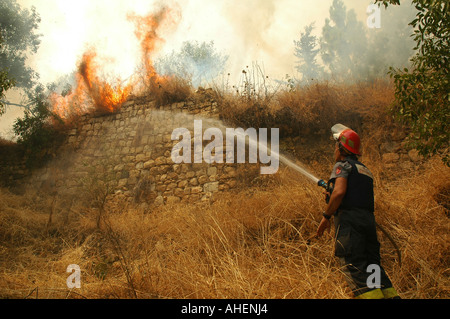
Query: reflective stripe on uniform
389	293
372	294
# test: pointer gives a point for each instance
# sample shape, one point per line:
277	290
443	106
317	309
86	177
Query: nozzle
322	183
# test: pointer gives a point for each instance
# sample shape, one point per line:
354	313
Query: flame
105	96
72	104
92	92
147	32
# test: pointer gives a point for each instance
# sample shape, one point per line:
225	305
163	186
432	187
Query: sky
248	31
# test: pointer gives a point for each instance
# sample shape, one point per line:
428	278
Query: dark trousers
357	247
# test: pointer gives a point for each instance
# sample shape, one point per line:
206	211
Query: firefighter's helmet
347	138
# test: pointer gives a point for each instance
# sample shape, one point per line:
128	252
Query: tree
391	45
37	131
17	29
306	50
343	45
195	62
5	84
422	92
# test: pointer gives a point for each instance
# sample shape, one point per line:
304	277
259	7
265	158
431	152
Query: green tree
5	84
18	30
197	62
306	50
422	92
392	44
343	44
37	131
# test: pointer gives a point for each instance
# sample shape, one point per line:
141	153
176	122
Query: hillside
252	240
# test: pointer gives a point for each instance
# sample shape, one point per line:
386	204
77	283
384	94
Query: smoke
199	63
250	21
349	47
393	40
105	94
71	28
246	31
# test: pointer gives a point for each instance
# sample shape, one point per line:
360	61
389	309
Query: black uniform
356	244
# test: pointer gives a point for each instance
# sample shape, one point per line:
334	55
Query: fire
92	92
147	31
71	104
104	95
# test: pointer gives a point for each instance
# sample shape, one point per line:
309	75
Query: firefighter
352	204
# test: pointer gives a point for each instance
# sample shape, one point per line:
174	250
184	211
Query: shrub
39	130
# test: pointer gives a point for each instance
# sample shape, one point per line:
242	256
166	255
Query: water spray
276	156
299	169
328	186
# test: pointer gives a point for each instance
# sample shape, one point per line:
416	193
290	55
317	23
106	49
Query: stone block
159	200
202	179
212	171
196	190
149	163
211	187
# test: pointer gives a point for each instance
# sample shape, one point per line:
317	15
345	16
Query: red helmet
347	138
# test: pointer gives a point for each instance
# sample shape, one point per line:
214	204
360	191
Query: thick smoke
350	48
251	20
245	31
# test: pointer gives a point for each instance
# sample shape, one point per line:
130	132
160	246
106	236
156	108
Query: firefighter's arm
340	188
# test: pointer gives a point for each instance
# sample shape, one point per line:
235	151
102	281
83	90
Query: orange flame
89	90
147	28
92	92
105	97
72	104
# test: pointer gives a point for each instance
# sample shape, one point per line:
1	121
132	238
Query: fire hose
329	189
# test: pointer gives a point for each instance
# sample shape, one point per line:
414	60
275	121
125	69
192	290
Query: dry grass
251	245
163	90
247	244
253	242
312	109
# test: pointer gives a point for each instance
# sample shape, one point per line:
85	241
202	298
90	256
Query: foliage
350	51
17	30
343	44
422	92
306	51
197	62
5	84
173	89
37	131
391	45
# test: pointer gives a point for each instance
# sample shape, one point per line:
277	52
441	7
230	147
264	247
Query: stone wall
130	152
